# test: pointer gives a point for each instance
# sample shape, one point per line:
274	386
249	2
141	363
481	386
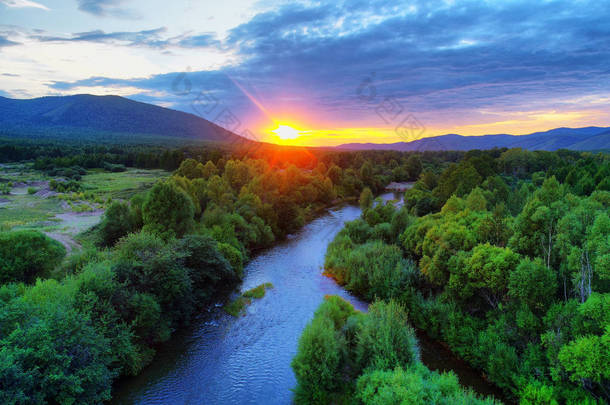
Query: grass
238	306
25	210
121	185
258	292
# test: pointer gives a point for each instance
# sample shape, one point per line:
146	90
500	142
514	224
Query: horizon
323	74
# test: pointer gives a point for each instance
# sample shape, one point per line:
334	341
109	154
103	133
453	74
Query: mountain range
587	139
94	117
103	116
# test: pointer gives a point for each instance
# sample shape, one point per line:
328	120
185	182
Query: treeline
345	356
68	330
506	258
88	154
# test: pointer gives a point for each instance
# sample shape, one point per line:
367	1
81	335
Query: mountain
589	138
103	116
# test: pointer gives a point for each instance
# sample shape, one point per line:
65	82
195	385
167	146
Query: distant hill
103	116
589	138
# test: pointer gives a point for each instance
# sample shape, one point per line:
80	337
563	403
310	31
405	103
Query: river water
221	359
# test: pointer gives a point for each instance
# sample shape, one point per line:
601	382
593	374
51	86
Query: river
221	359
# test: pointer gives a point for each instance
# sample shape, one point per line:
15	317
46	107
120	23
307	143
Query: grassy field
32	205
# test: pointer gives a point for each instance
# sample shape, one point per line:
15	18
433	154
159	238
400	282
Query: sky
336	71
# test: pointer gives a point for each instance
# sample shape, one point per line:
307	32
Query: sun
286	132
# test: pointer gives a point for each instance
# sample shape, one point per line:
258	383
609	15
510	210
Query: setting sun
286	132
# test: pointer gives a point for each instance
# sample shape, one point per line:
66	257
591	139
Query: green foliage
237	306
587	358
258	292
233	256
27	255
118	221
167	211
520	291
71	186
533	284
322	353
371	270
366	199
413	385
367	358
208	269
482	273
50	352
386	340
191	169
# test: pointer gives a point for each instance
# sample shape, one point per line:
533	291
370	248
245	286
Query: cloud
105	8
148	38
24	4
439	60
6	42
199	41
152	38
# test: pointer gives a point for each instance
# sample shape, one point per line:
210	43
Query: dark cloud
428	55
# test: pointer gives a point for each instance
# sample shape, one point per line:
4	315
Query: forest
71	325
503	255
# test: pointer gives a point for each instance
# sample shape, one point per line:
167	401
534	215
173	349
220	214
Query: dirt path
66	240
74	223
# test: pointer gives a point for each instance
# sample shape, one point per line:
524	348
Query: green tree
168	210
366	199
26	255
117	223
191	169
386	340
533	284
414	167
320	357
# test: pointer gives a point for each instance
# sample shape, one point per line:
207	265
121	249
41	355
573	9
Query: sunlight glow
286	132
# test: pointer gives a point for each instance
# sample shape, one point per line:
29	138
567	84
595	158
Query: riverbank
221	359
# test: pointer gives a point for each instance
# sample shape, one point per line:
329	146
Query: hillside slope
86	114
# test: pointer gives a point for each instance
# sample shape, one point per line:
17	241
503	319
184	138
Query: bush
71	186
320	356
374	269
168	211
414	385
50	352
117	223
26	255
208	269
146	264
234	256
386	340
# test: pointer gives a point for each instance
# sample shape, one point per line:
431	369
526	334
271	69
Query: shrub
168	211
317	365
26	255
207	267
117	223
414	385
386	340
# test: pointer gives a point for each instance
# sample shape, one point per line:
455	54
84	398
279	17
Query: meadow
30	203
